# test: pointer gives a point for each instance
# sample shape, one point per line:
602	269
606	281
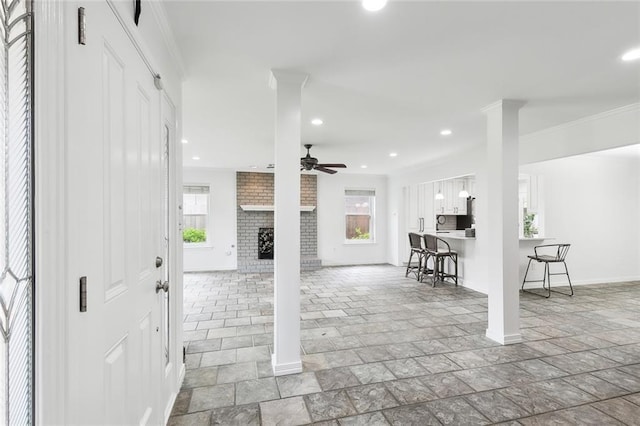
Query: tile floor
379	348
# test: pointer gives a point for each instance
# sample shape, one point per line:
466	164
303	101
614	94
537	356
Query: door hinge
83	294
82	26
184	354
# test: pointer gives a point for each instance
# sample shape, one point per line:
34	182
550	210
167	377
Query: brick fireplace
254	194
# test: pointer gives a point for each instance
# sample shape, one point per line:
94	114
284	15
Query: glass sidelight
16	213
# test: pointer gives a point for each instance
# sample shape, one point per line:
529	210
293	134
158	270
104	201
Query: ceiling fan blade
322	169
339	166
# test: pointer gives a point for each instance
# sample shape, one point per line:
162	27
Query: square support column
502	222
286	298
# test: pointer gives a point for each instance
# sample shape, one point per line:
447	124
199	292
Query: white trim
357	242
569	124
267	208
50	219
160	15
133	35
169	407
471	285
284	369
372	215
504	339
170	117
605	280
590	281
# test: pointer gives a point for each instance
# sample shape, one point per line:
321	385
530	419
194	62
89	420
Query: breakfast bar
472	268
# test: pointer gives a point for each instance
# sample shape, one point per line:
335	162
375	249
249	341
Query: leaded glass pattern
16	237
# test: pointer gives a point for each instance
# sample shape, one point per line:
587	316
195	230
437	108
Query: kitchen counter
459	235
453	235
472	271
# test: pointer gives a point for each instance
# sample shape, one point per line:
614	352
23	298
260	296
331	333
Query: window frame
208	242
372	215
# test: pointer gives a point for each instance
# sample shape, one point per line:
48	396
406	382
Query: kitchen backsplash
449	224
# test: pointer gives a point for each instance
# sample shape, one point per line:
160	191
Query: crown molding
504	103
288	77
583	120
160	15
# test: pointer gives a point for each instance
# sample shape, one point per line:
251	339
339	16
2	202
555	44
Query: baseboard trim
285	369
583	282
504	339
471	285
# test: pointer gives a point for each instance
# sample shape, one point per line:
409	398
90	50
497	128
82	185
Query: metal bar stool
439	255
415	241
560	254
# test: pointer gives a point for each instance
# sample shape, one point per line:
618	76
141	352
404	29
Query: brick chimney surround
254	191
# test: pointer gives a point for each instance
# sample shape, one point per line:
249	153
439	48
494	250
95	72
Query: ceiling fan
311	163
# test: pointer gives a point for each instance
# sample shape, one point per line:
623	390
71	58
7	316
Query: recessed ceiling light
631	55
195	158
445	132
374	5
364	166
317	121
184	141
393	154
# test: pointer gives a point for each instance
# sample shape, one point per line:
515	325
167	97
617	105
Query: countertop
459	235
453	235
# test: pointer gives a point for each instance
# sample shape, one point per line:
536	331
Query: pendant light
439	195
464	193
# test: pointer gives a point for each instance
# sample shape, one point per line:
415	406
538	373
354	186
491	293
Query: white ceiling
390	81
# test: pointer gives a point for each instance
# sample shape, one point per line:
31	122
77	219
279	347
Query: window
360	206
196	213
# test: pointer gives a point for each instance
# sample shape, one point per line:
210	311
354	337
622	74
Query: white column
502	221
286	304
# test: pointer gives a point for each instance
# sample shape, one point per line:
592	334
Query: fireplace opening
265	243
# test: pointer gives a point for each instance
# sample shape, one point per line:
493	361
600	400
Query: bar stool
439	255
560	251
415	241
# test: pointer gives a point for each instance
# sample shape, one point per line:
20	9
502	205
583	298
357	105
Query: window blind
360	192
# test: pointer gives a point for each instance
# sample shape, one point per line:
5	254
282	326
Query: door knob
162	286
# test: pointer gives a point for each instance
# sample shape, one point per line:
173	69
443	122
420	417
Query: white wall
219	253
332	249
593	203
603	131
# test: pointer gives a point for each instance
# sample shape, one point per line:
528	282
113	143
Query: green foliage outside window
192	235
361	235
529	229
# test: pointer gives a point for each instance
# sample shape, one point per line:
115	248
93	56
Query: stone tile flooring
379	348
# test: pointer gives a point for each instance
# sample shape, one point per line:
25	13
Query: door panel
114	106
114	206
115	375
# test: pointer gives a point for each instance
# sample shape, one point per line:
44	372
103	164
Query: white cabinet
428	214
411	208
419	207
451	204
459	203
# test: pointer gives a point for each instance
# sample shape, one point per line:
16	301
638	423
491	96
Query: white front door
115	205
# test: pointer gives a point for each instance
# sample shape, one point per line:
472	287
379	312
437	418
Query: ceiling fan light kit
311	163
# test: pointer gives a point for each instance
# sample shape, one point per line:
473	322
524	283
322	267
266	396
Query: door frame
52	291
49	218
